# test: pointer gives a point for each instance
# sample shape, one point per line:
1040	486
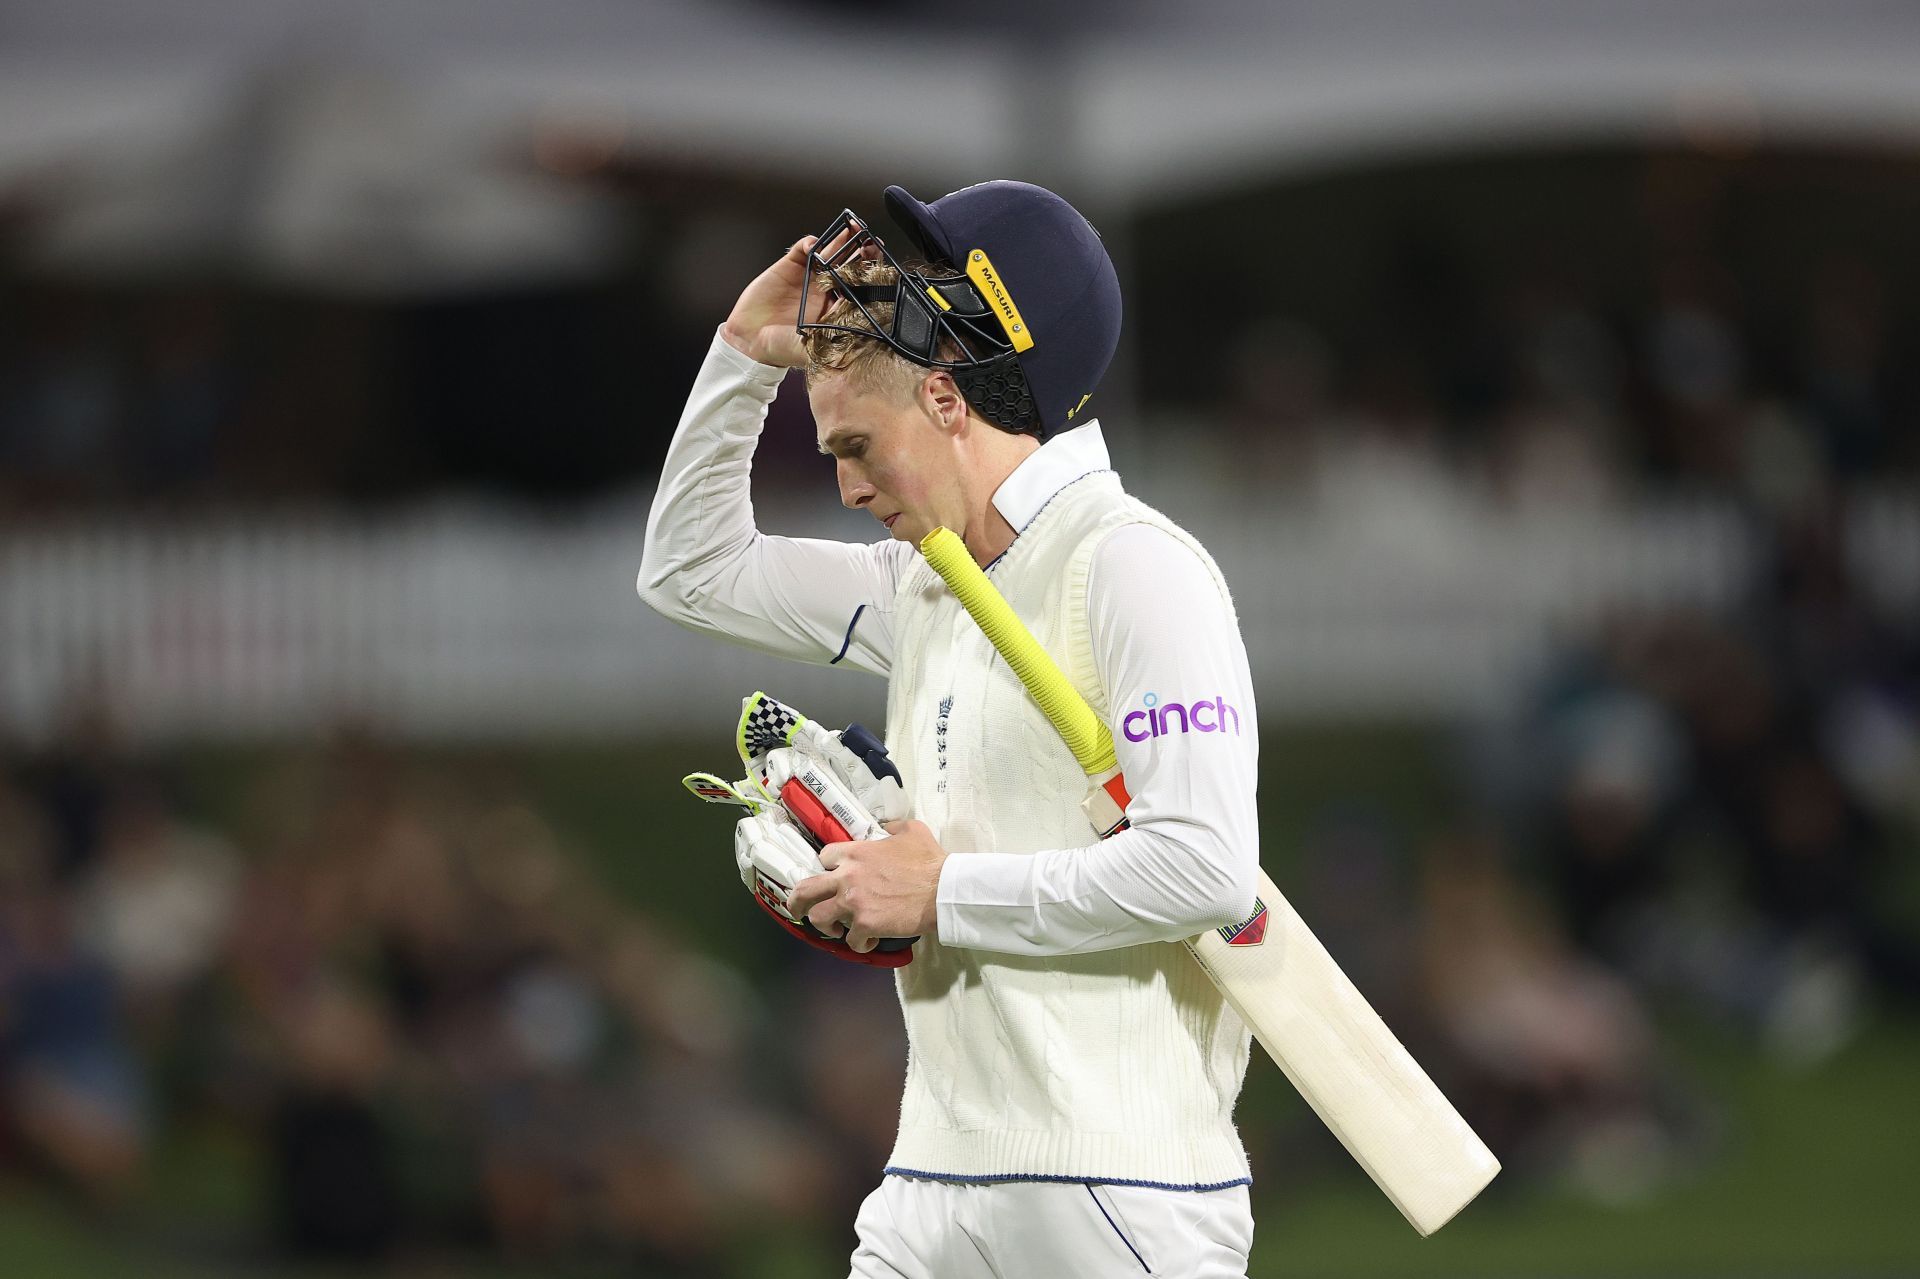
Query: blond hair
862	355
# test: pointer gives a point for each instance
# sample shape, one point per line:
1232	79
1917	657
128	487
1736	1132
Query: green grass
1816	1176
41	1236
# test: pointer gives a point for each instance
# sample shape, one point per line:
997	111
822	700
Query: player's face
890	458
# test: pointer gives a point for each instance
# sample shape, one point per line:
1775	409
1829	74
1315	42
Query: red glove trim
839	949
812	815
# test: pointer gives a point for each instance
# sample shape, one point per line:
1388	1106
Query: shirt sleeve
709	568
1174	669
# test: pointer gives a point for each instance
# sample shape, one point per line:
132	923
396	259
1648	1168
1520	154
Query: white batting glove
806	787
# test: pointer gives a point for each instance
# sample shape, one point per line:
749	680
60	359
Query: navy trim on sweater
1194	1187
847	643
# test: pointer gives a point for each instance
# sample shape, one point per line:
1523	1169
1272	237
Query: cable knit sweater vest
1118	1065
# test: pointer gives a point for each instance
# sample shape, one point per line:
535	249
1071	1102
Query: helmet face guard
939	322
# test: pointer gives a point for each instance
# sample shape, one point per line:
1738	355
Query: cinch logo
1199	717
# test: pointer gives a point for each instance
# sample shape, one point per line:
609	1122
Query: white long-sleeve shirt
1164	641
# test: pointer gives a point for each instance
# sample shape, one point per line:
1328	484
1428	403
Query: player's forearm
702	516
1166	881
709	568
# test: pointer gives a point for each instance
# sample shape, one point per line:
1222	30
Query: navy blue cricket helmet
1022	304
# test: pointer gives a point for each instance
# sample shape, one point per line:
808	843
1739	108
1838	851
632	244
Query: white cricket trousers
915	1229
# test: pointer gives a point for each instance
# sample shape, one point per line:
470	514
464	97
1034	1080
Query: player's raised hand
762	322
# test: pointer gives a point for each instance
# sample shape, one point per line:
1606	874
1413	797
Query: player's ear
941	400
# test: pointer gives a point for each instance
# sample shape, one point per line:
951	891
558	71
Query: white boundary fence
471	621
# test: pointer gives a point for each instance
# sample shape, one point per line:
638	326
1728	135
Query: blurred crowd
417	1019
1711	816
95	409
1479	354
214	395
1543	396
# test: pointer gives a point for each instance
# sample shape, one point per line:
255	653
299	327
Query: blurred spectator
73	1092
336	1192
60	404
1562	1056
73	781
183	399
1845	350
156	905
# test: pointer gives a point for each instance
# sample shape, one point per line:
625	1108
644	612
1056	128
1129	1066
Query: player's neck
988	534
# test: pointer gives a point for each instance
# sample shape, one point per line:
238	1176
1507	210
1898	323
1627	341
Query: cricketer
1072	1072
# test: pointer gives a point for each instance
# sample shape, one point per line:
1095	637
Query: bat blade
1342	1058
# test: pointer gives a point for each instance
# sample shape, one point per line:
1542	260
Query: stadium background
1543	376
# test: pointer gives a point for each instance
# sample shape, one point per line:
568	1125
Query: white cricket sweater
1042	932
1110	1065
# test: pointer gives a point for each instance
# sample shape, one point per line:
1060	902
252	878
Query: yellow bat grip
1072	718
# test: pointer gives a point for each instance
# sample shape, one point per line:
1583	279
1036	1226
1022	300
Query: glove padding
774	856
807	787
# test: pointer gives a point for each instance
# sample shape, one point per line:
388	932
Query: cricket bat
1310	1018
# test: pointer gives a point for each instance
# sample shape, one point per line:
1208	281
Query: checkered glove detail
768	726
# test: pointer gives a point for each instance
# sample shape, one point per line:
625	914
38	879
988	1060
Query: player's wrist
948	926
930	917
729	347
738	340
